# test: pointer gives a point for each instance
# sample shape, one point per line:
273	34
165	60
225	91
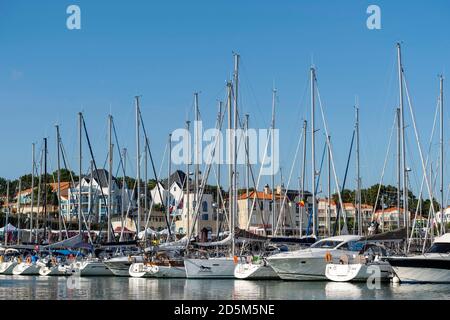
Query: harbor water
116	288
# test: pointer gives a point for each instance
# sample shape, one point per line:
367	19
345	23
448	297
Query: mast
80	119
123	192
18	211
146	184
313	148
39	195
403	145
247	163
236	125
196	156
441	112
399	164
302	209
274	93
188	191
168	180
59	182
218	209
138	167
7	213
110	198
45	187
329	189
358	173
230	157
32	191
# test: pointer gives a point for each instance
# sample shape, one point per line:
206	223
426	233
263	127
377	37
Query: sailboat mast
274	95
7	213
110	198
236	125
59	182
168	179
329	188
123	192
399	164
188	191
18	211
403	144
138	167
196	157
32	191
313	149
302	193
247	164
441	107
80	124
230	158
358	173
218	209
45	188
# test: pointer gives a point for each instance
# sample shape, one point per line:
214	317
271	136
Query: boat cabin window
326	244
352	246
440	248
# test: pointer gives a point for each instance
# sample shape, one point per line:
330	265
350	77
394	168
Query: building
95	197
390	218
443	218
255	211
208	216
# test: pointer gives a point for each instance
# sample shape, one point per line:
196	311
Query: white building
95	197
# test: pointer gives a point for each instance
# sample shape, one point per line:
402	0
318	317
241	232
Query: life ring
328	257
28	260
129	259
54	261
1	259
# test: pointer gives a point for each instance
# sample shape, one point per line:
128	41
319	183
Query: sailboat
213	266
27	268
430	267
8	261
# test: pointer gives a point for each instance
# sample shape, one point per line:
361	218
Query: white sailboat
255	270
27	268
358	272
90	267
8	261
431	267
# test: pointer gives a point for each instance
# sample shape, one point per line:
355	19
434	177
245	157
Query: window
205	206
326	244
205	217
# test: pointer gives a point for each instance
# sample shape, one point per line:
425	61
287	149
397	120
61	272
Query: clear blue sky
166	50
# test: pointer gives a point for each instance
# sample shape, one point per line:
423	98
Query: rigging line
282	211
384	167
331	154
343	183
419	147
119	150
96	170
152	162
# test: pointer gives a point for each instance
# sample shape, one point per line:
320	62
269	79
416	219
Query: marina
234	193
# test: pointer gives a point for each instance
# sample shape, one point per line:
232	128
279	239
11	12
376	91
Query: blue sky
166	50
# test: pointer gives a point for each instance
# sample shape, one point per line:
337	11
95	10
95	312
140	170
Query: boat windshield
440	248
326	244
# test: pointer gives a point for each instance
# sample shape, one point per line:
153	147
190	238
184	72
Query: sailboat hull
7	268
358	272
422	269
91	269
24	269
249	271
213	268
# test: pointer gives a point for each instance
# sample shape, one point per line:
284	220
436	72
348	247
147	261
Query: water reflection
75	288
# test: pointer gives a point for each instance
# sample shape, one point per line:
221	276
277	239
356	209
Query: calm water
75	288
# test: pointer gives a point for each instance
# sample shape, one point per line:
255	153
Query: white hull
425	275
357	272
120	266
56	271
429	268
212	268
302	269
91	269
250	271
140	270
7	268
24	269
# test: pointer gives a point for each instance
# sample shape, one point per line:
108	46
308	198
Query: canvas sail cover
68	243
223	242
396	235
